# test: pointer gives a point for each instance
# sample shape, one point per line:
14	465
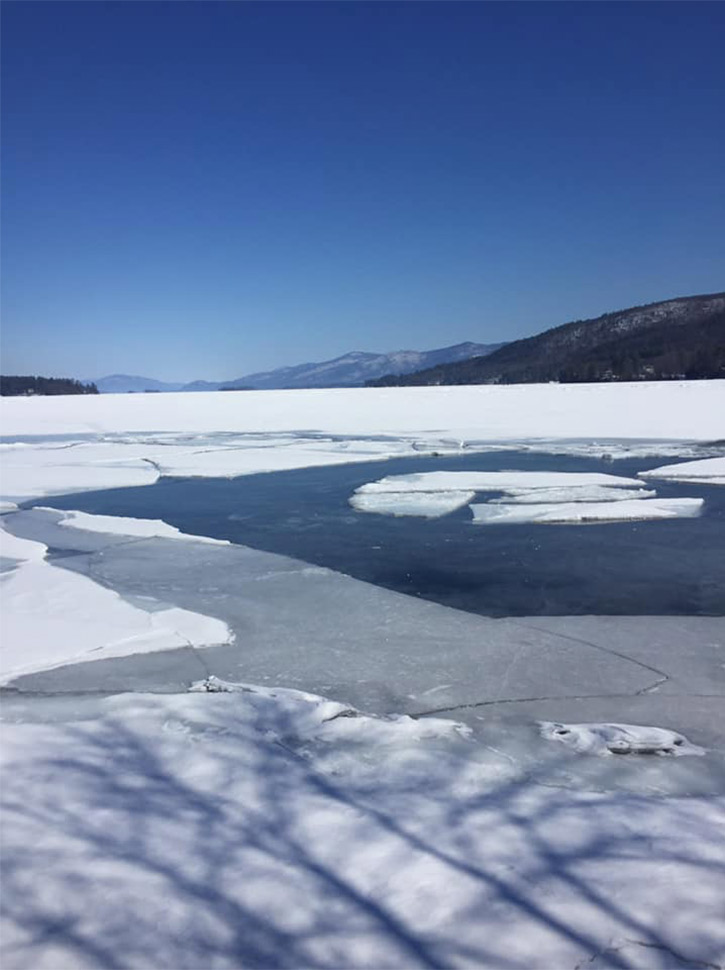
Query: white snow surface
502	481
572	493
706	471
48	467
276	829
116	440
121	525
52	616
428	505
687	410
528	496
558	513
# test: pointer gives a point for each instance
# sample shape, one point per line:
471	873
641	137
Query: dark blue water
642	568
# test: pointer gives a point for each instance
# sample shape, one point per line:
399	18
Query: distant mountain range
350	370
680	338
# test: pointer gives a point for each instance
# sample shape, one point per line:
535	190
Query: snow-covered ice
706	471
269	828
635	510
51	617
80	443
238	826
121	525
502	481
571	493
667	410
428	505
553	497
548	497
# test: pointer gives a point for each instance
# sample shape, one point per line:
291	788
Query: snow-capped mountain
350	370
355	368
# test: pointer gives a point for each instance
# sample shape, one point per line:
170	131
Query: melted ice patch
573	512
606	739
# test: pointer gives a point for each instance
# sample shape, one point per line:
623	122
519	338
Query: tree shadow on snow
225	847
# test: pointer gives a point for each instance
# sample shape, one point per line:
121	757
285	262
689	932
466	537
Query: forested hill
681	338
11	386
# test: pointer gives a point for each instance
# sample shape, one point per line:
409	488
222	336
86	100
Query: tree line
15	386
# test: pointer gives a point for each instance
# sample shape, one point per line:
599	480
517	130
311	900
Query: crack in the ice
548	697
651	688
597	646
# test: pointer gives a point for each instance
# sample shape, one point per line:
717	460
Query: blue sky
201	190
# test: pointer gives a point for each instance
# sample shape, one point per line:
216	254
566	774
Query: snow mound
572	512
605	739
295	716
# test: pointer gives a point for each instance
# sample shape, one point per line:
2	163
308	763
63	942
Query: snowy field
158	811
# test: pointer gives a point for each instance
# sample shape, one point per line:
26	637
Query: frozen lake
498	626
650	568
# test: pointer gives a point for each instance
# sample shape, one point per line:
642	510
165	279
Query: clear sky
204	189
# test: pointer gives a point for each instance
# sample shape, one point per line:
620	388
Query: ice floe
706	471
572	512
52	616
428	505
603	739
574	493
500	481
120	525
520	497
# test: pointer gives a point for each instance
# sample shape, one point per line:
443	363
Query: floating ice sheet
52	617
428	505
432	494
574	493
502	481
706	471
571	512
120	525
